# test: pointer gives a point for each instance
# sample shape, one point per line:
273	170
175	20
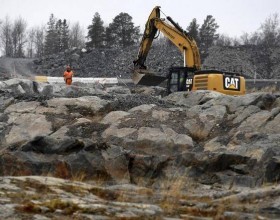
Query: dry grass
198	135
67	206
172	191
62	170
80	177
269	89
28	207
176	200
104	193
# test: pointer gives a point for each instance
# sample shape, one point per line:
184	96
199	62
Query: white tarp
77	79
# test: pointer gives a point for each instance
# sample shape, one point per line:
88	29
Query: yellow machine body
226	84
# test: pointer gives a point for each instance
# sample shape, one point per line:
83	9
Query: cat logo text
231	83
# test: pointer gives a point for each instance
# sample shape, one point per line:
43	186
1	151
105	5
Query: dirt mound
108	62
250	60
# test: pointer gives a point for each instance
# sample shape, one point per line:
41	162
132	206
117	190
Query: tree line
18	41
58	35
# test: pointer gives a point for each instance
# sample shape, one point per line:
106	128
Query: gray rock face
205	138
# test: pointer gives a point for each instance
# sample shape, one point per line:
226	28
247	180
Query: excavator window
179	79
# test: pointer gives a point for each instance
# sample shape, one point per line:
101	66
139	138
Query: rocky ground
99	152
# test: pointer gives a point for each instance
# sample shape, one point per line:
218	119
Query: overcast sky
233	16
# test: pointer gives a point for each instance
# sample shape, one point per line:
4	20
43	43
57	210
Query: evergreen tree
51	36
207	34
96	32
193	30
122	30
64	36
109	37
58	38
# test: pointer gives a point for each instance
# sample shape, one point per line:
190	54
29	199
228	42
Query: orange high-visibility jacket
68	77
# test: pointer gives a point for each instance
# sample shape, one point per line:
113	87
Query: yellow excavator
189	77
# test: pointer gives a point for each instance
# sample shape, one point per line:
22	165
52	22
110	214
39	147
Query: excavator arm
147	39
185	43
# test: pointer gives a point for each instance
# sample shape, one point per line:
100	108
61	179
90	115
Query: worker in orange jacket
68	74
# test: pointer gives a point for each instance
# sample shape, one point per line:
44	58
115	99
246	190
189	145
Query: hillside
247	60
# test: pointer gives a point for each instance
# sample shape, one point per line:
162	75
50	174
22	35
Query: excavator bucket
146	78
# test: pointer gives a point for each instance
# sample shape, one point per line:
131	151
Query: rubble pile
247	60
107	62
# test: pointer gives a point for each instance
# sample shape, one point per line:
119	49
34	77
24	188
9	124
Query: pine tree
207	34
64	36
123	31
109	37
96	32
51	36
58	38
193	30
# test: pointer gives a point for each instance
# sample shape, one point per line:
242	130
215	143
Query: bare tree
39	41
236	42
30	42
250	39
19	37
6	37
270	31
76	36
224	40
245	38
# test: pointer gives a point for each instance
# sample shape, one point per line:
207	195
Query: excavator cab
179	79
